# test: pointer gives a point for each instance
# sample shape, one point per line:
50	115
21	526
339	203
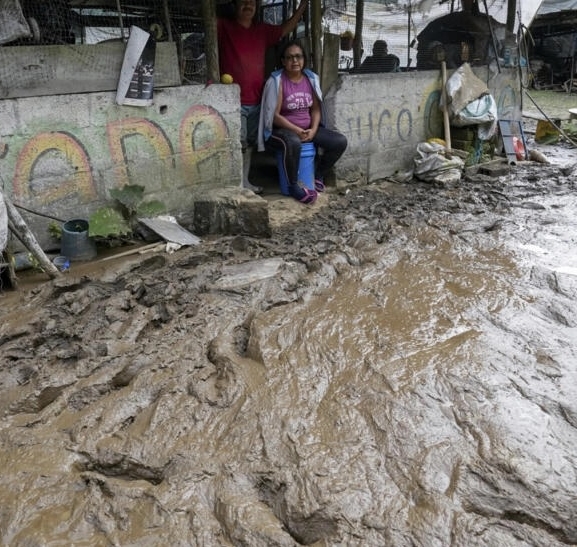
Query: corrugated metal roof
555	6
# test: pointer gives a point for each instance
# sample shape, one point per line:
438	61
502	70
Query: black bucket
75	243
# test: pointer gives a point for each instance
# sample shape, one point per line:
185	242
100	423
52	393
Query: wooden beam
19	228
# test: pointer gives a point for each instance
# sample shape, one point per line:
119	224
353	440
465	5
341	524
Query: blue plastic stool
306	168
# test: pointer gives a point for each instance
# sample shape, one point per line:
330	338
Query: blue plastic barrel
306	168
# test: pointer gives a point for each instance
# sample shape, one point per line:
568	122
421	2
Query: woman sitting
292	114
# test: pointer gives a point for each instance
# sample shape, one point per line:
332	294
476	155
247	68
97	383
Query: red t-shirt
242	55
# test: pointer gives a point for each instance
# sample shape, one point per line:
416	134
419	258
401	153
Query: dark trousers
331	143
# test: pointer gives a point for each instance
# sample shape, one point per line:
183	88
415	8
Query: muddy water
399	370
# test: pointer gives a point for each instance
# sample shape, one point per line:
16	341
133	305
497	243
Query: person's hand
305	135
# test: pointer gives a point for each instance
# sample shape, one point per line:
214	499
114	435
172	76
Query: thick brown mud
397	369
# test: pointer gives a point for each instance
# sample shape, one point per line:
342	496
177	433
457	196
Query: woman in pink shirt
292	114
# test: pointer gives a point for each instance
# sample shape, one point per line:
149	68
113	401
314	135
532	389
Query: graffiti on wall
383	126
53	165
377	126
394	127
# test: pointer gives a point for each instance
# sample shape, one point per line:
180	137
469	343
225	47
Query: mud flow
398	368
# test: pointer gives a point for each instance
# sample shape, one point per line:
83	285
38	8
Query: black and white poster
136	83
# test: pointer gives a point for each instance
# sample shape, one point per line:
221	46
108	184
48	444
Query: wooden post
316	33
358	45
445	105
23	233
511	12
120	21
210	41
167	20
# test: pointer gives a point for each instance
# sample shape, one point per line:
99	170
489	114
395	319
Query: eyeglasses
297	57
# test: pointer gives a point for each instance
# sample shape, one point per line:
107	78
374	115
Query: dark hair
292	43
256	2
228	10
380	48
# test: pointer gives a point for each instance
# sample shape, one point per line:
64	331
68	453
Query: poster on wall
136	83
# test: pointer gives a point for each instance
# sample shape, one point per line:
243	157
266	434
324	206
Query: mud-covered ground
396	365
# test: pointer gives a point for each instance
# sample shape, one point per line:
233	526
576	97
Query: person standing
292	113
242	44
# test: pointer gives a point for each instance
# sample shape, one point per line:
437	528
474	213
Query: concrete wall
386	115
60	155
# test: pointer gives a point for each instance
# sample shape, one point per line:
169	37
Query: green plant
347	34
55	230
122	219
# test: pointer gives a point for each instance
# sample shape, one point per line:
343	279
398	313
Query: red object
519	148
242	55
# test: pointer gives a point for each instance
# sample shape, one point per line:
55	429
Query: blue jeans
332	143
249	116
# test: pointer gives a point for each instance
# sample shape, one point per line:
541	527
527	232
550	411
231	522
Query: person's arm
290	24
315	118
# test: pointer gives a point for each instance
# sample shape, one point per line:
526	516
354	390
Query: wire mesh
63	22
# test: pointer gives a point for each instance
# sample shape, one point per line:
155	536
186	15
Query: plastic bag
463	87
12	23
481	112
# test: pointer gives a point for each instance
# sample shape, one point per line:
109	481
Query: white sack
432	165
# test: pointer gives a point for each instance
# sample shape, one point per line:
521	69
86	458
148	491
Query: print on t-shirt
299	101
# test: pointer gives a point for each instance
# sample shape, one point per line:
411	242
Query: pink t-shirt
297	100
242	55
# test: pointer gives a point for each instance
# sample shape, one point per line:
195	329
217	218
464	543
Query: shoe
319	185
302	194
256	189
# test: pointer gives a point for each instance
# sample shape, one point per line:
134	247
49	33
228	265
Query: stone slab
231	211
495	169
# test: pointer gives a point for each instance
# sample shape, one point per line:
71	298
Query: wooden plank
34	71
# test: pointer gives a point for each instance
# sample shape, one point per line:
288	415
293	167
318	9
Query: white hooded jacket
270	99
